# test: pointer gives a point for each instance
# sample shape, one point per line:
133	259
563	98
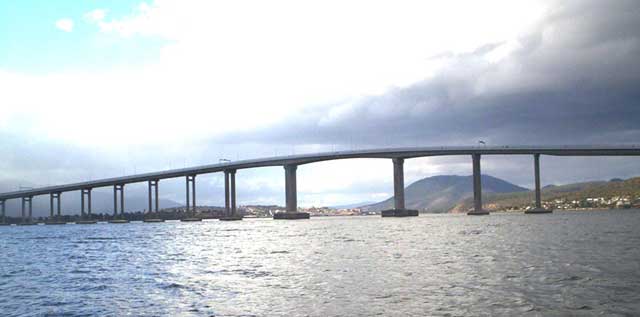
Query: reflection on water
563	263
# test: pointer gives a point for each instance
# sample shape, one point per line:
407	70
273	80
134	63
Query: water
566	263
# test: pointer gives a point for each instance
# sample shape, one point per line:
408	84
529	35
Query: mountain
441	193
577	191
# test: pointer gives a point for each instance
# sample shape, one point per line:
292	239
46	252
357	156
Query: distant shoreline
572	209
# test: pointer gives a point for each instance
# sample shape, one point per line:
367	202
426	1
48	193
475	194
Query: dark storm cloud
574	80
24	157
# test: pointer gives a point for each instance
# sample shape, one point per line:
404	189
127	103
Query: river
566	263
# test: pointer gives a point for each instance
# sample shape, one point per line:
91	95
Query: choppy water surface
564	263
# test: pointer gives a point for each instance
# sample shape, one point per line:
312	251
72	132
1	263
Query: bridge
290	164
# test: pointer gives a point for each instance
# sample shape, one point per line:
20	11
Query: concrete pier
118	188
398	183
59	212
231	218
191	219
153	197
29	219
477	188
190	203
86	222
191	193
51	197
4	220
227	203
399	209
82	216
291	215
118	221
88	193
232	192
231	213
153	220
291	196
538	209
291	188
187	191
399	213
86	219
55	220
54	200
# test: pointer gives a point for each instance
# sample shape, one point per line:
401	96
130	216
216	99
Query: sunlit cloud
95	16
65	25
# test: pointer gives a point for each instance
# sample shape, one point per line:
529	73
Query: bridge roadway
290	163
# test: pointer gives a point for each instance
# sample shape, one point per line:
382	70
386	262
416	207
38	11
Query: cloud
571	80
95	16
65	25
247	60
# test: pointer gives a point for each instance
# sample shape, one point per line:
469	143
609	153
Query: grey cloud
573	80
30	159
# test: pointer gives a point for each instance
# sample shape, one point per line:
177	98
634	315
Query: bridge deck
407	152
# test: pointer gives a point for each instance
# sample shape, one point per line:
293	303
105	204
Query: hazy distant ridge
441	193
578	191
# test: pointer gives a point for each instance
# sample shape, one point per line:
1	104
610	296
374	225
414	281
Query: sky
95	89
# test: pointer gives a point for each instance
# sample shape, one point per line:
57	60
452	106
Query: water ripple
445	265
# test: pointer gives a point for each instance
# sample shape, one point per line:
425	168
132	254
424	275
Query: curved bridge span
290	163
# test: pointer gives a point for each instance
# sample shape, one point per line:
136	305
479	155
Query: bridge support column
230	197
115	201
291	196
122	200
291	188
227	203
4	220
191	190
153	191
55	220
51	207
191	205
399	209
118	188
58	205
157	195
398	183
22	220
87	192
27	219
82	216
538	209
86	217
477	187
153	197
54	197
233	192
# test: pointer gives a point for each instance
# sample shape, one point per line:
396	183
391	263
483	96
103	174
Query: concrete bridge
290	164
